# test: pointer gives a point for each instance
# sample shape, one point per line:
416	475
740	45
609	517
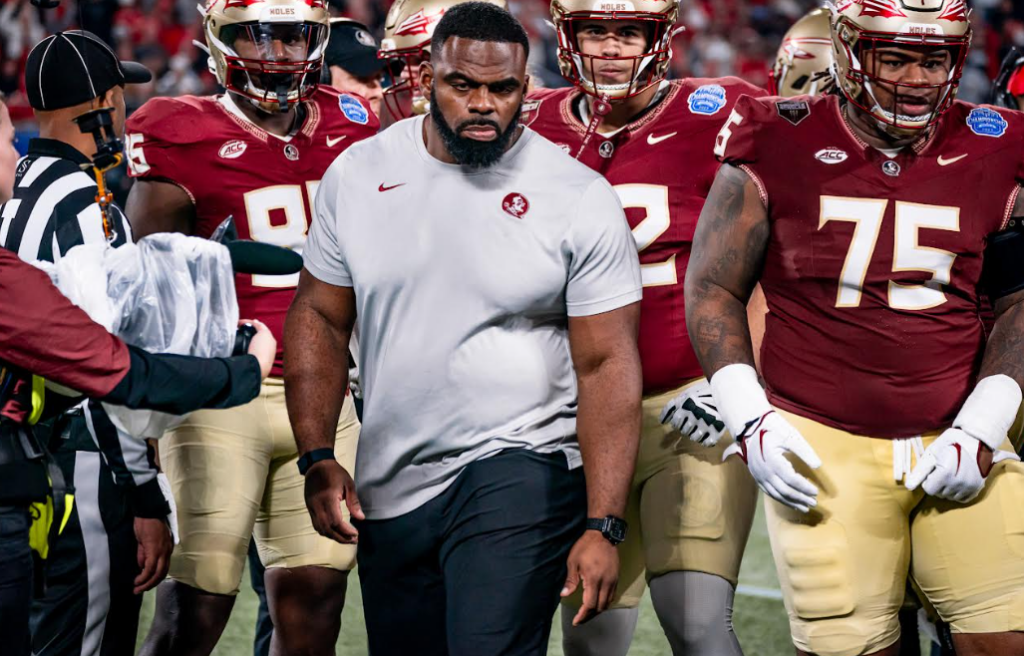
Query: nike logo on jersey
331	143
947	162
383	188
653	140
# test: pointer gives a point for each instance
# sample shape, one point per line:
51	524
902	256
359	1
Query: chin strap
602	106
282	97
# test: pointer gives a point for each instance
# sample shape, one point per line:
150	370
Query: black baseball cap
354	49
73	67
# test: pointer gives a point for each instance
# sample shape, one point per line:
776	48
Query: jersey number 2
653	200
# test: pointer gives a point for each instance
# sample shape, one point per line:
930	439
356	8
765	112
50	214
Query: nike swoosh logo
652	140
331	143
947	162
383	188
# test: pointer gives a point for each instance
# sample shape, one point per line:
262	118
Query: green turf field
760	622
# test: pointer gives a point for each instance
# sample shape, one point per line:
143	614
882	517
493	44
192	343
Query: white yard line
761	593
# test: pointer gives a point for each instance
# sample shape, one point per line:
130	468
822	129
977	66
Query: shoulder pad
171	120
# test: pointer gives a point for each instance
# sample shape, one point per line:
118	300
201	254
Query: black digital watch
309	458
611	527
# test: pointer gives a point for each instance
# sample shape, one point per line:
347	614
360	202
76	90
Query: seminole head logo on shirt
516	205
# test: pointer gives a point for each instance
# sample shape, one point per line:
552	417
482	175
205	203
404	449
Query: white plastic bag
167	294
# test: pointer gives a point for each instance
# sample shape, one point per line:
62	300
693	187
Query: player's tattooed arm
1004	353
159	206
728	253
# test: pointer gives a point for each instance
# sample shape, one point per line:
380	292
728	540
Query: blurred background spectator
721	37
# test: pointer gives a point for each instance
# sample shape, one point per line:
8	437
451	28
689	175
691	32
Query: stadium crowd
721	37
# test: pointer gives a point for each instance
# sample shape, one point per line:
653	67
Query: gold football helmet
802	66
648	69
408	29
859	26
268	51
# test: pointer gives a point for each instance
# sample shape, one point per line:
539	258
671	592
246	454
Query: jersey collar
577	113
229	105
58	149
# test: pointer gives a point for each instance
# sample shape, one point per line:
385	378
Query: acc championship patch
794	111
353	109
986	122
707	100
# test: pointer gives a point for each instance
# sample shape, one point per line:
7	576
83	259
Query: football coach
495	287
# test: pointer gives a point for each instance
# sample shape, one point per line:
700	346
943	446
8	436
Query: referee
120	515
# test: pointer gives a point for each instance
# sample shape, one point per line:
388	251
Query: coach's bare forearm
316	364
725	264
608	416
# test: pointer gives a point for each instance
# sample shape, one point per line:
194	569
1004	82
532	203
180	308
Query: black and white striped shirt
54	206
53	210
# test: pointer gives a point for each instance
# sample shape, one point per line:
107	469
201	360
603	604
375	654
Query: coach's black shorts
477	570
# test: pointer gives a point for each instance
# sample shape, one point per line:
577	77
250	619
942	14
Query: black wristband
309	458
148	502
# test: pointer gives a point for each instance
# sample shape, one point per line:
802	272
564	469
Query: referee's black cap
73	67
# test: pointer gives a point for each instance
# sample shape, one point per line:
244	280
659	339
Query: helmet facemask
274	65
404	97
863	56
645	70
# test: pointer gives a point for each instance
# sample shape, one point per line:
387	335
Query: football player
873	219
1008	88
653	140
255	153
408	29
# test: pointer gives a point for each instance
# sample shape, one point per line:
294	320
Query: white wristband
990	410
739	396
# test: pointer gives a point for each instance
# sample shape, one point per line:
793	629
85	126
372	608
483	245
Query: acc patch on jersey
707	100
353	109
986	122
232	149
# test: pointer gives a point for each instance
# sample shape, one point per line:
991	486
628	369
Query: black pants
89	608
476	571
15	580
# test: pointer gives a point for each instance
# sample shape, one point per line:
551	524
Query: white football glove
949	468
764	451
763	438
695	415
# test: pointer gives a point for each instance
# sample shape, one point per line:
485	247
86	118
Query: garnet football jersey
873	264
662	166
230	167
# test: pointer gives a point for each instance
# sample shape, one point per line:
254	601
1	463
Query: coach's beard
471	152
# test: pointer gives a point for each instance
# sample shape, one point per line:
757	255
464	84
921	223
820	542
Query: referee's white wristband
990	410
739	396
